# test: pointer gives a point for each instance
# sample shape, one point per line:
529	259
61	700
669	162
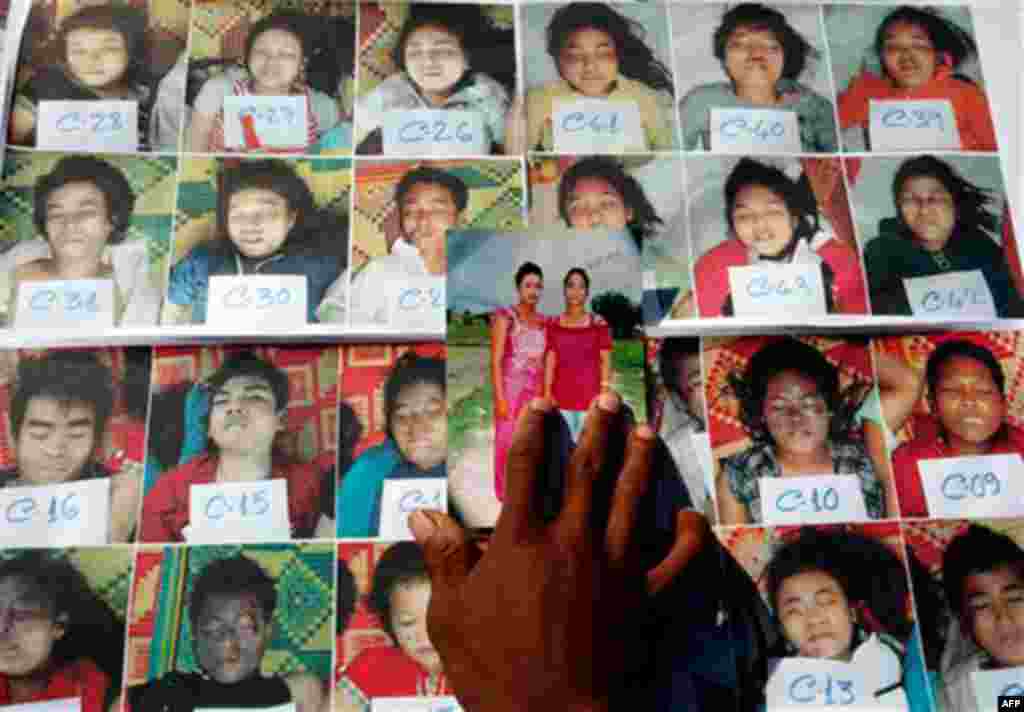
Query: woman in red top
578	357
920	53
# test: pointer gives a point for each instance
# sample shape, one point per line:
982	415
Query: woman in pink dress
517	362
578	360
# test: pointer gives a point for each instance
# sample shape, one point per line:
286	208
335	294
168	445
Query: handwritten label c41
767	289
435	132
415	704
817	683
951	295
100	125
401	497
256	301
754	131
979	486
65	304
239	511
811	499
252	122
990	684
911	125
68	514
418	304
597	126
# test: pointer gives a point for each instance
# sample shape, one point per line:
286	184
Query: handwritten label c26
435	132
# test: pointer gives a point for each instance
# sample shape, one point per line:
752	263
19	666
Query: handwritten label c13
815	683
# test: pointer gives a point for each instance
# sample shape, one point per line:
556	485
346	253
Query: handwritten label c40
256	301
764	289
979	486
597	126
68	514
100	125
908	125
65	304
252	122
951	295
811	499
817	683
754	130
435	132
401	497
239	511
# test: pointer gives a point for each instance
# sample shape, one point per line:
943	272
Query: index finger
519	515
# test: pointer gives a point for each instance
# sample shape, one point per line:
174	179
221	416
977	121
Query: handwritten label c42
239	511
401	497
252	122
256	301
414	704
435	132
768	289
811	499
912	125
979	486
990	684
754	131
597	126
817	683
951	295
65	304
418	304
68	514
100	125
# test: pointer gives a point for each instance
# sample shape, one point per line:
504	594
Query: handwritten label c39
811	499
401	497
597	126
255	121
435	132
898	125
65	304
256	301
990	684
754	130
67	514
100	125
978	486
766	289
817	683
419	303
239	511
951	295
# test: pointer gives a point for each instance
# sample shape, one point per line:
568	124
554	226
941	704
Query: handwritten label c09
256	300
811	499
754	130
100	125
67	514
907	125
435	132
65	304
975	486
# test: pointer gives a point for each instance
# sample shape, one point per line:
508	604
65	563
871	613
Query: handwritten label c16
811	499
415	704
65	304
979	486
67	514
254	121
239	511
435	132
754	130
419	303
953	294
766	289
597	126
256	301
990	684
401	497
908	125
100	125
817	683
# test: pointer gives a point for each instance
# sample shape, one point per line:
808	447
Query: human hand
515	128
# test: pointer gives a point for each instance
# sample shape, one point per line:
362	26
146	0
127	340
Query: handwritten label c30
435	132
65	304
906	125
976	486
100	125
754	130
72	513
255	301
811	499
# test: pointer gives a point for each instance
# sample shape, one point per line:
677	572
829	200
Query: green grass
628	364
477	334
472	411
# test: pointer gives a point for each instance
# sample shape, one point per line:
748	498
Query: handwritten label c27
253	122
976	486
754	130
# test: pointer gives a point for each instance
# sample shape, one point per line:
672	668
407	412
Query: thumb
445	546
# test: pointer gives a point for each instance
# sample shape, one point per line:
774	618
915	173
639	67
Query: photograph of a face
511	340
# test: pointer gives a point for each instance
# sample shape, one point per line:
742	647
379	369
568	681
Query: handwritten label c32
65	304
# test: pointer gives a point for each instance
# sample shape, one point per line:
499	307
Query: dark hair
525	269
811	551
402	563
294	23
68	377
969	201
798	198
346	594
410	369
428	174
636	60
127	21
645	218
945	35
795	49
959	347
117	191
976	550
581	272
237	575
246	363
270	174
671	351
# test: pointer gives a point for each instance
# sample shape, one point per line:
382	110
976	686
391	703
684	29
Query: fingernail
421	525
645	432
541	405
608	402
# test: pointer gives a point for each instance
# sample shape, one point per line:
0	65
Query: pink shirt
578	361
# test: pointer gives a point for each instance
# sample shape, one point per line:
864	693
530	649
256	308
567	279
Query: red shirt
80	678
578	361
386	671
712	276
165	509
932	447
970	106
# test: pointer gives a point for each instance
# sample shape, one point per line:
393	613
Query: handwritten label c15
254	121
418	304
817	683
100	125
256	301
239	511
990	684
401	497
597	126
811	499
754	131
415	704
909	125
67	514
65	304
979	486
953	294
766	289
435	132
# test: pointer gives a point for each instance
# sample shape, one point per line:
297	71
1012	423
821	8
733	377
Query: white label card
954	294
597	126
402	497
811	499
65	304
286	707
65	704
435	132
980	486
754	131
415	704
767	289
702	448
419	303
68	514
239	511
990	684
252	122
817	683
75	126
256	301
911	125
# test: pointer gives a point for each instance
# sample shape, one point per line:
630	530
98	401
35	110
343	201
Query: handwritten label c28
811	499
71	513
257	300
93	125
907	125
435	132
975	486
753	130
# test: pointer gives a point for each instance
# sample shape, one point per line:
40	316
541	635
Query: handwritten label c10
256	301
418	304
951	295
239	511
979	486
811	499
414	704
910	125
65	304
435	132
254	121
67	514
767	289
100	125
754	130
401	497
597	126
990	684
817	683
